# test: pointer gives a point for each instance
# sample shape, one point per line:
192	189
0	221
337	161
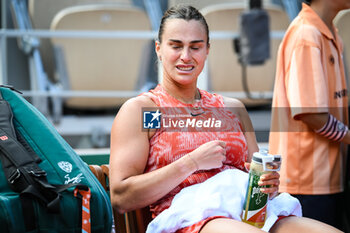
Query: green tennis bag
44	185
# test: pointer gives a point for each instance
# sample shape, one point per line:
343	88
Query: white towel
220	195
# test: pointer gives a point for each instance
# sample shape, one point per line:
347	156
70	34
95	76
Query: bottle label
255	203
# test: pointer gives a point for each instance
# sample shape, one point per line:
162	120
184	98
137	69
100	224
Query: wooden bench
131	222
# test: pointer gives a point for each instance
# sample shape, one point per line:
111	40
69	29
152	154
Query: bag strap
6	118
23	173
25	176
15	155
85	196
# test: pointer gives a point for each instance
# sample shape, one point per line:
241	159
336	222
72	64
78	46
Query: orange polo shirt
309	79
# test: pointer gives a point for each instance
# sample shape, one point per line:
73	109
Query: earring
160	58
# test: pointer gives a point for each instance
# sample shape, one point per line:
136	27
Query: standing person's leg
325	208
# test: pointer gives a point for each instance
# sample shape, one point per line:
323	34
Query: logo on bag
74	180
3	138
65	166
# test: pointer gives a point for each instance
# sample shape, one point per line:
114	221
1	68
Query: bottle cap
269	162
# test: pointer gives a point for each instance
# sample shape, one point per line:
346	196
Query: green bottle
254	208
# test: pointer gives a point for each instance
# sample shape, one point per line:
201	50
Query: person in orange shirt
309	111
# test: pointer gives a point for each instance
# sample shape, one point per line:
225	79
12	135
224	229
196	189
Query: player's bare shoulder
234	105
137	103
131	110
131	115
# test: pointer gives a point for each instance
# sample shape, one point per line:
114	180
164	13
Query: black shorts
325	208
